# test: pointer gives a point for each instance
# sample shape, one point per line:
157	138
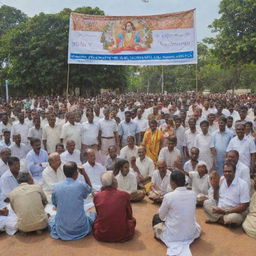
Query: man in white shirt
93	170
71	131
244	145
4	125
8	180
90	134
129	151
180	134
232	197
160	183
6	142
190	135
108	135
176	223
71	154
242	170
170	154
5	155
36	130
51	134
127	182
18	149
142	124
52	174
21	128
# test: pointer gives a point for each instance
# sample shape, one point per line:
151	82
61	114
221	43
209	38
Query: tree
236	32
37	51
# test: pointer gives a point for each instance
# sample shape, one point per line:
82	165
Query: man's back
178	211
114	222
70	222
28	202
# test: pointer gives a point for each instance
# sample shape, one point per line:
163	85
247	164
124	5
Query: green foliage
236	32
37	55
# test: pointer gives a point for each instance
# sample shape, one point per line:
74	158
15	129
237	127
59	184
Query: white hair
107	179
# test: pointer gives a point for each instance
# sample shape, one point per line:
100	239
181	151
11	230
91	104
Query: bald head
54	160
70	146
91	156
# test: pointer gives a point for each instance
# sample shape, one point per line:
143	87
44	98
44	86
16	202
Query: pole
148	87
162	79
67	81
6	91
196	79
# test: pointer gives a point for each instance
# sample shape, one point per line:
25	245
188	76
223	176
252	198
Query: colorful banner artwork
168	39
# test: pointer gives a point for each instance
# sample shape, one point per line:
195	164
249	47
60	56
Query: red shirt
114	222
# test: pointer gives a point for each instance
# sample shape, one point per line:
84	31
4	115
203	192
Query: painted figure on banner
126	36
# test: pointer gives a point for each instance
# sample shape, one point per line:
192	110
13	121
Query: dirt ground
215	240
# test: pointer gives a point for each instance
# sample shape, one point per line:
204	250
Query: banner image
168	39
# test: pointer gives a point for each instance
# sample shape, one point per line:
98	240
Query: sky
207	10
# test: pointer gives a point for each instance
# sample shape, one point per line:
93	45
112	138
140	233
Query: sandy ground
215	240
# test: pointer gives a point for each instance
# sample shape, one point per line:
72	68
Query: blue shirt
71	222
220	141
33	162
127	129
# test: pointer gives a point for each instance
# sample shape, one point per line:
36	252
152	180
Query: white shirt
127	153
180	134
71	132
245	148
20	151
199	185
7	183
169	156
90	132
94	173
146	166
108	127
51	178
237	193
162	185
127	183
52	137
74	157
243	172
4	127
3	167
21	129
35	133
189	139
178	210
142	124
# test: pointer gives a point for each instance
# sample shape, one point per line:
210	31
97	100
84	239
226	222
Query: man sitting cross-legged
176	223
231	199
71	222
114	222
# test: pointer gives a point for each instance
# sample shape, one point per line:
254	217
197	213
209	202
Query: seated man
28	201
71	154
71	222
160	183
231	199
93	170
249	225
8	180
52	175
199	181
130	150
127	181
36	160
5	155
112	158
170	154
114	222
176	223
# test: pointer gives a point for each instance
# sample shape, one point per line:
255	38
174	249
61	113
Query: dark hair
133	27
59	145
234	151
34	140
12	160
128	112
69	169
178	178
227	163
153	122
223	119
172	139
197	149
204	122
118	165
23	177
230	118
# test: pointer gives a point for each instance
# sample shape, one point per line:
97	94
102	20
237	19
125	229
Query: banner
168	39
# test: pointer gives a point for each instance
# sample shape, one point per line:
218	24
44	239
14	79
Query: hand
81	170
218	210
4	212
133	160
